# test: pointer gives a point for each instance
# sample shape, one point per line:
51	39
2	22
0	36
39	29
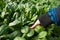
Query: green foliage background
16	16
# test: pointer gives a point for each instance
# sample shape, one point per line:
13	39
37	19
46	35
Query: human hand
35	24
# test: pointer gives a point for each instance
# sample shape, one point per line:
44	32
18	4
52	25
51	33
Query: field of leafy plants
17	16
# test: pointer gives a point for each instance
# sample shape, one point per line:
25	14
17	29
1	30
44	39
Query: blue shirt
54	14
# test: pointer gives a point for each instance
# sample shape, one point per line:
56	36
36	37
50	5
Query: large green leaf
19	38
25	29
42	34
3	29
39	28
31	33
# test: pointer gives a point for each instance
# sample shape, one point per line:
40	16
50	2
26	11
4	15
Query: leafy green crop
17	16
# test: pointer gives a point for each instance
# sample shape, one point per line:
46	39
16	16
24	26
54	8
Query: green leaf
19	38
3	14
14	34
15	22
42	34
34	18
25	29
31	33
3	29
39	28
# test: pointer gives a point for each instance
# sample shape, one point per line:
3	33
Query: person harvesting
51	16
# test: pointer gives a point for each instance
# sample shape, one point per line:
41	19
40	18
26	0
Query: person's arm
52	16
43	20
